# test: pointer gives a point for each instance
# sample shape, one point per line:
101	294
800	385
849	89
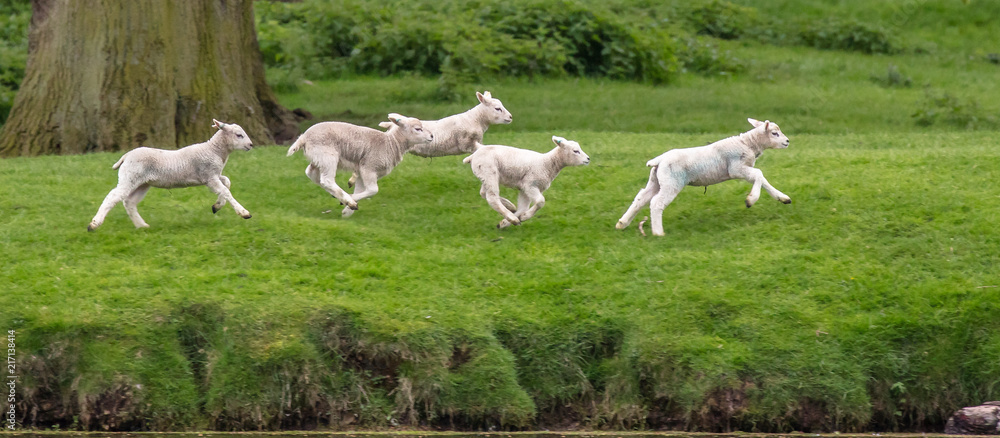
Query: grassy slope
861	305
870	278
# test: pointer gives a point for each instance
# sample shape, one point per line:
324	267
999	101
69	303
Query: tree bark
111	75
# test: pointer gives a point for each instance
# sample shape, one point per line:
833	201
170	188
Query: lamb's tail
119	163
655	161
654	182
299	143
475	147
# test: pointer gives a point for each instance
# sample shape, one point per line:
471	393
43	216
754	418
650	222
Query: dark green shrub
461	41
722	19
949	109
851	36
13	52
404	44
595	42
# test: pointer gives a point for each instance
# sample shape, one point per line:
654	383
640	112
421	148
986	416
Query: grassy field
868	304
871	297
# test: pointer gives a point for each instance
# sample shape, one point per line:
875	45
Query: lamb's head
775	138
232	135
493	109
411	129
570	151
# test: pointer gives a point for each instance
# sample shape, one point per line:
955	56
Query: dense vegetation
466	41
868	304
14	18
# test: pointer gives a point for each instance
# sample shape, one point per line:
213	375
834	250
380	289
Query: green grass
864	297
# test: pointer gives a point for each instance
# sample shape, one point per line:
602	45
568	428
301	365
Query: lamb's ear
217	124
767	125
754	122
483	98
385	125
396	118
558	140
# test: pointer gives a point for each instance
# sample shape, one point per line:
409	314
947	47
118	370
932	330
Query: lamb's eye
239	135
498	109
418	129
576	152
774	134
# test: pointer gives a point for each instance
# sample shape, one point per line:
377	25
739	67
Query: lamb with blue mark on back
726	159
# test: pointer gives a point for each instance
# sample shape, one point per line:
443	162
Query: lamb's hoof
507	222
749	204
786	201
353	206
247	216
620	225
215	209
92	226
347	212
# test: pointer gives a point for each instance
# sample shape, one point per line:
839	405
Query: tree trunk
110	75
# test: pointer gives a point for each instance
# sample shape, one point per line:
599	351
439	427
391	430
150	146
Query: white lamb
372	153
530	172
460	133
194	165
723	160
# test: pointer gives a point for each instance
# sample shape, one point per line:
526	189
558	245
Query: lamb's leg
490	191
537	202
641	199
313	173
510	205
352	180
367	186
523	203
221	202
324	174
218	187
661	200
756	177
131	206
116	195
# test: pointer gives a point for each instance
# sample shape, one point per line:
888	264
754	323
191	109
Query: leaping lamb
460	133
194	165
372	153
723	160
530	172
